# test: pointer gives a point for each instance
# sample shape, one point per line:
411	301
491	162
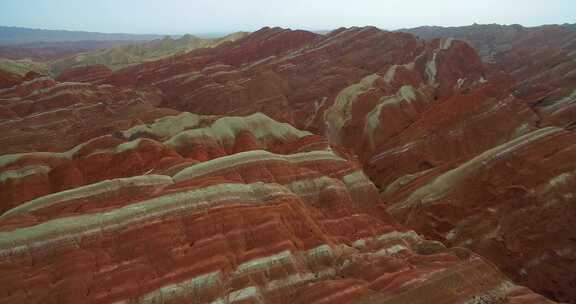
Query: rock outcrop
241	202
411	109
187	208
42	115
295	76
512	203
485	158
541	59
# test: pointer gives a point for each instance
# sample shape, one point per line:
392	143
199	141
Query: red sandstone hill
466	154
118	200
542	59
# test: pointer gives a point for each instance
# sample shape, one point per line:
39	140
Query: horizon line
272	26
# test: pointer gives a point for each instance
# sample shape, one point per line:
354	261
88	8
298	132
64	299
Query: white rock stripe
341	111
495	295
214	280
406	237
225	129
443	183
166	126
75	228
406	94
23	172
254	156
8	159
192	287
88	191
303	187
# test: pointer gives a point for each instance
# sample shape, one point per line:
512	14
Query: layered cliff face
40	114
175	207
412	111
229	79
489	167
544	64
295	76
541	59
513	203
471	155
482	159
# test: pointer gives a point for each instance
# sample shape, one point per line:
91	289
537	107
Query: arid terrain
426	165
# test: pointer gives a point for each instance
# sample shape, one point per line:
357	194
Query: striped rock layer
463	153
411	110
188	208
541	59
513	203
491	168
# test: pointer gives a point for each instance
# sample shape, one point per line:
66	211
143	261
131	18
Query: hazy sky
209	16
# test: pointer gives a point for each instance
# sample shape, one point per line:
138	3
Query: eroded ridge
276	216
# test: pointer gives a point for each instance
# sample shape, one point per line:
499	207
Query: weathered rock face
544	64
295	76
537	93
221	80
514	204
412	110
411	142
457	129
541	59
374	111
188	208
43	115
461	173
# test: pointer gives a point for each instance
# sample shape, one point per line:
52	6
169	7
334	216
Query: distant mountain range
122	56
19	35
488	39
48	51
52	51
